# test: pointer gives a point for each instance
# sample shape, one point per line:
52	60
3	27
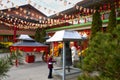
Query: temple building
18	20
26	19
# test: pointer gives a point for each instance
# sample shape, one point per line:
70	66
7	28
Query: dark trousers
50	73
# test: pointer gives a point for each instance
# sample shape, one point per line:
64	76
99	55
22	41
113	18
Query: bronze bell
68	54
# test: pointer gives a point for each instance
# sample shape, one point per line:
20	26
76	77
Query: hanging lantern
44	18
21	9
69	3
1	4
81	8
5	7
8	18
62	14
49	11
35	4
54	11
100	8
65	16
25	11
104	7
65	3
37	16
39	6
88	11
57	14
40	17
12	4
17	6
94	11
84	9
69	16
20	14
5	13
29	1
16	13
32	14
117	3
8	1
8	15
9	9
45	8
77	7
26	17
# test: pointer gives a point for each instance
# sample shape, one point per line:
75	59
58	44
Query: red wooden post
15	30
16	62
85	20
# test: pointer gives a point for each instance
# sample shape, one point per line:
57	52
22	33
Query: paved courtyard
33	71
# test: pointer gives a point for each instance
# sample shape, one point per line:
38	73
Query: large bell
68	54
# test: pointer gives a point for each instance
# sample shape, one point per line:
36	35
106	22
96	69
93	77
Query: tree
103	56
7	61
40	35
43	34
103	53
37	35
112	20
4	67
96	23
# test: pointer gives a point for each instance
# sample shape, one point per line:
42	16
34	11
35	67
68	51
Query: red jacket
50	63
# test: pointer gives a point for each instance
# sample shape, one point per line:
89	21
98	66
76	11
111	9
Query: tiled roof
11	32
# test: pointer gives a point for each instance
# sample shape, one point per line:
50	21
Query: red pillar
85	20
15	30
16	62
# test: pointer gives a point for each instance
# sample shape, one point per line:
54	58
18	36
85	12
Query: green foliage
96	23
6	62
16	55
4	67
2	46
40	35
37	35
103	55
112	20
98	52
87	76
43	34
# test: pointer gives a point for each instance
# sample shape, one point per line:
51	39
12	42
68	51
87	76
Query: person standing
74	53
50	66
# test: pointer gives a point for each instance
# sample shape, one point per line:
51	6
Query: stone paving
31	71
34	71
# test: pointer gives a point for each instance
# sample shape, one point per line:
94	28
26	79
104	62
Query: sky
48	7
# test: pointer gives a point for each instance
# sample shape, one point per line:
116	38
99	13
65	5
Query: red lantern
109	7
101	9
104	7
